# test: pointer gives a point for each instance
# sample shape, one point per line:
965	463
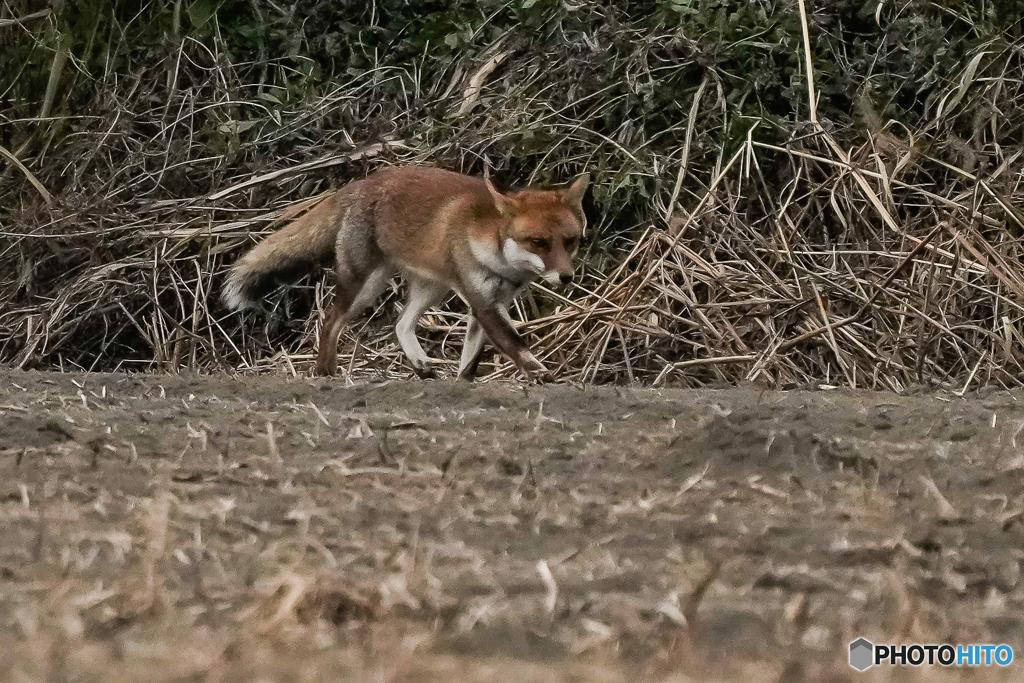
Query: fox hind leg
355	291
422	295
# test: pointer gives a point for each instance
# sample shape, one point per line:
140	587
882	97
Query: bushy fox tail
285	255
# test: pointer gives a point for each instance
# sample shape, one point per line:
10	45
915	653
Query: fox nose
566	278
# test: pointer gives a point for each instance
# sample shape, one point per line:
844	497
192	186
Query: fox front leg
472	349
422	295
498	327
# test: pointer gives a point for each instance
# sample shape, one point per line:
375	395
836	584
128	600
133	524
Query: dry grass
885	264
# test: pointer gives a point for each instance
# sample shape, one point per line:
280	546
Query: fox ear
574	193
505	205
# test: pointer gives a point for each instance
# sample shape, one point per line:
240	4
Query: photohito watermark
864	654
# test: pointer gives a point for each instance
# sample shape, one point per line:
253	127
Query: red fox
440	230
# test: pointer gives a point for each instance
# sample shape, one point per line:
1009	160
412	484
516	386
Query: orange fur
442	231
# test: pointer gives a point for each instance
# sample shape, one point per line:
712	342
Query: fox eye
538	243
570	243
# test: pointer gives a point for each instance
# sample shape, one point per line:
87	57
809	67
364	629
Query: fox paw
425	372
325	370
425	369
536	372
545	377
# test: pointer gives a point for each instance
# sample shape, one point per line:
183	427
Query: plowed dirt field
213	528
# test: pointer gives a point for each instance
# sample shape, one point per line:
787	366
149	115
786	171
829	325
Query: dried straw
881	263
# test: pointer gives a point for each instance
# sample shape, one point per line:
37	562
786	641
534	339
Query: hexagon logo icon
862	654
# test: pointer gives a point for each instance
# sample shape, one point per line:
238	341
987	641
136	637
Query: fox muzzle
555	278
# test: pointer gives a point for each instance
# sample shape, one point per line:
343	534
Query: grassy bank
783	192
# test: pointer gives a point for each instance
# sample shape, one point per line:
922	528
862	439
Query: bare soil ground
210	528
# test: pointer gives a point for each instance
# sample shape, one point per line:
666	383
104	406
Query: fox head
543	229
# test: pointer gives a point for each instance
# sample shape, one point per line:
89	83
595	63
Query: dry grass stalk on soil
167	528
